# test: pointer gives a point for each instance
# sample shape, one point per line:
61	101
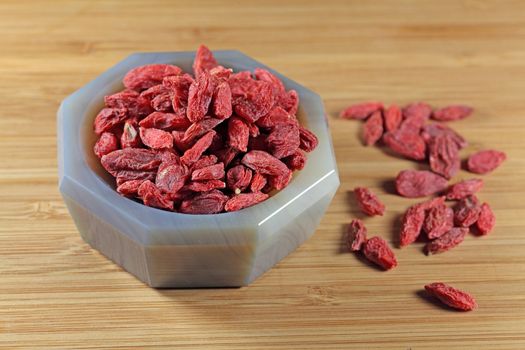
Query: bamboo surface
57	293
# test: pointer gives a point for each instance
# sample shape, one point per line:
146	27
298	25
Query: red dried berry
205	203
444	156
283	140
108	118
200	128
136	105
244	200
411	225
486	219
199	97
417	110
276	116
467	211
205	161
238	134
171	177
464	188
356	235
406	143
194	153
130	159
256	101
129	188
431	203
204	61
222	101
439	220
377	251
393	117
279	91
451	296
267	164
205	186
484	162
131	175
211	172
152	197
156	138
144	77
178	87
368	202
291	103
431	131
239	178
166	121
361	110
258	182
450	113
130	136
419	183
308	139
296	161
447	241
107	143
373	128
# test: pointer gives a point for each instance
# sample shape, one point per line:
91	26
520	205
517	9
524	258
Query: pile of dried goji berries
216	141
408	133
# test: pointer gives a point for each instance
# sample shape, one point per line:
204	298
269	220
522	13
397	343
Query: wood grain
56	293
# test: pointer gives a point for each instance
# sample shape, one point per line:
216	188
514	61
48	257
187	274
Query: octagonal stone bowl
166	249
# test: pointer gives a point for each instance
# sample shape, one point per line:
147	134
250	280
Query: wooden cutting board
57	293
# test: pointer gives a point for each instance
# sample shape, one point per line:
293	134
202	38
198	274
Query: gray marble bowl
165	249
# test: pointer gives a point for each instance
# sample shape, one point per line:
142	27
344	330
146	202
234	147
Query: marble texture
165	249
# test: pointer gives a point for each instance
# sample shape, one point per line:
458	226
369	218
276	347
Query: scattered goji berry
377	251
486	219
417	110
438	221
361	110
484	162
244	200
373	128
419	183
411	225
430	131
450	113
356	235
406	143
451	296
467	211
447	241
444	156
368	202
393	117
464	188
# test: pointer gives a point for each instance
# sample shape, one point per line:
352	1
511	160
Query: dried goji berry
204	61
447	241
205	161
257	101
444	156
144	77
411	225
417	110
205	186
361	110
179	87
258	182
108	118
194	153
152	197
130	159
107	143
226	155
205	203
419	183
454	112
308	139
368	202
244	200
431	203
451	296
136	105
377	251
291	103
178	140
283	140
239	178
200	128
279	91
210	172
373	128
431	131
356	235
439	220
156	138
393	117
265	163
129	188
238	134
486	219
464	188
484	162
222	101
467	211
296	161
276	116
406	143
171	177
199	97
166	121
130	136
131	175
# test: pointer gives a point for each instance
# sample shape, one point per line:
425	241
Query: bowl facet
165	249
